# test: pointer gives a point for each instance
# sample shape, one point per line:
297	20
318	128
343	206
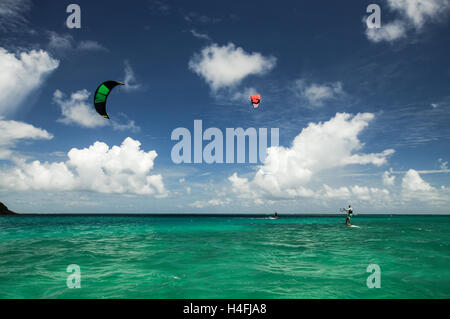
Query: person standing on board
349	211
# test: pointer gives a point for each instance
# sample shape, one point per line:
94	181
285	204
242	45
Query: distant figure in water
276	215
349	211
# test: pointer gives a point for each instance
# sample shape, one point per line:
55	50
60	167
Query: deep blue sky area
315	63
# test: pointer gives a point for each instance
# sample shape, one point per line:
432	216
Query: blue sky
362	113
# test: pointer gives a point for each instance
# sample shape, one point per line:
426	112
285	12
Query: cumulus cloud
21	75
77	109
414	188
226	66
387	178
317	94
12	14
412	15
12	132
123	169
412	182
320	146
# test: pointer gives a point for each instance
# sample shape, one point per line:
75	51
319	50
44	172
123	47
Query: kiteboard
354	226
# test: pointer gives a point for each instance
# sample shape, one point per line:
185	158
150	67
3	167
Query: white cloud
90	45
388	32
419	12
443	164
339	193
130	79
60	42
413	15
414	188
123	169
369	194
226	66
20	75
65	42
318	94
377	159
355	192
412	182
210	203
79	110
12	14
388	179
12	132
320	146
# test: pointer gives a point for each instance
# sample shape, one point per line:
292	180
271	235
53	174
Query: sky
362	113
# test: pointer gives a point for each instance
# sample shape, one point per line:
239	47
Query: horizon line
337	215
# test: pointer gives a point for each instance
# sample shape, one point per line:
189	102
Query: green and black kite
101	95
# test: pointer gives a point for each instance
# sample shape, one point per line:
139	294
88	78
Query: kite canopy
256	100
101	95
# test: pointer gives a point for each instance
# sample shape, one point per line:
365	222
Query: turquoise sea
224	257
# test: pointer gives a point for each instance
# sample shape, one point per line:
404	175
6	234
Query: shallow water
224	257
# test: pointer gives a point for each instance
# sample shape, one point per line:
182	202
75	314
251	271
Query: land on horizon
5	211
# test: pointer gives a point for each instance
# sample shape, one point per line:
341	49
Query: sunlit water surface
224	257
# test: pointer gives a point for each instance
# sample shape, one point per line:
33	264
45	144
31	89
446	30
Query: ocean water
224	257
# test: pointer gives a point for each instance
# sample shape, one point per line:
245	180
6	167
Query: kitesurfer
349	211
